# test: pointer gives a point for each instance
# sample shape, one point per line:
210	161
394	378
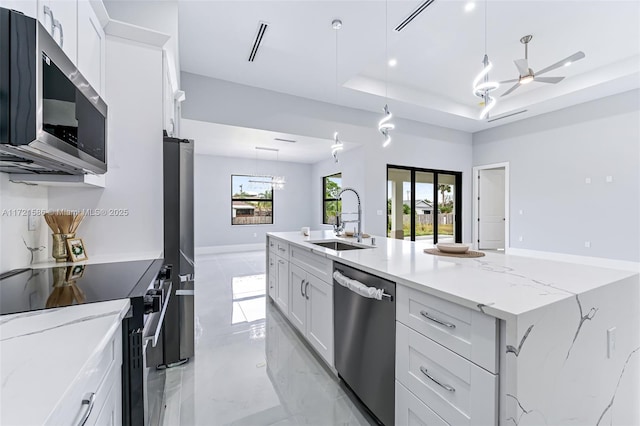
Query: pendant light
482	87
385	125
337	146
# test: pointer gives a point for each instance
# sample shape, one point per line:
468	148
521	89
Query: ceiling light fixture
413	15
262	28
337	146
277	182
482	87
393	62
566	64
469	6
385	125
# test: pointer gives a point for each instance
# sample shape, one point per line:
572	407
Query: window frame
325	200
271	200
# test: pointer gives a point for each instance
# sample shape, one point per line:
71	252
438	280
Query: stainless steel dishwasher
365	338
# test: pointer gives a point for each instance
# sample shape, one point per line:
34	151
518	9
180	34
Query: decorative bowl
452	247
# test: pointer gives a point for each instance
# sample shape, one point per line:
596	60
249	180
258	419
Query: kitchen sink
338	245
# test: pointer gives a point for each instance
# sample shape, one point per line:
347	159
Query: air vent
262	28
508	115
266	148
284	140
413	15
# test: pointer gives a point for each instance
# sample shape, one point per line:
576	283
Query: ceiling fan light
526	79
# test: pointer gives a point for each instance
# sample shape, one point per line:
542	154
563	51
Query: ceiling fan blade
575	57
514	87
553	80
510	81
522	65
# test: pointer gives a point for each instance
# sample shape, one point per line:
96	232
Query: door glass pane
446	208
399	203
424	206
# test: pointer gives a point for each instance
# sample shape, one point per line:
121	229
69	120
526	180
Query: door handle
306	294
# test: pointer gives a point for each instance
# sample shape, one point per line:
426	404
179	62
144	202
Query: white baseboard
235	248
581	260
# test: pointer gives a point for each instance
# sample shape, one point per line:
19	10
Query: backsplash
16	201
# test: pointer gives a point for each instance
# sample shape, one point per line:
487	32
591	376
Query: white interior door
491	209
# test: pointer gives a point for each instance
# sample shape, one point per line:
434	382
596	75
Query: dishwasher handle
360	288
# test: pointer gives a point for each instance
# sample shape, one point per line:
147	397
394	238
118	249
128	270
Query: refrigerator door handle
185	293
185	278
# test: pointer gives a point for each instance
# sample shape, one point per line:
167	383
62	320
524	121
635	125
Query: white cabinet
282	284
97	392
60	18
28	7
91	47
410	411
311	310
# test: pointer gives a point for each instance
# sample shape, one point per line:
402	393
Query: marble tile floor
250	368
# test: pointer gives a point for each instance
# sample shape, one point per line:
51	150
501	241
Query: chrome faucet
339	225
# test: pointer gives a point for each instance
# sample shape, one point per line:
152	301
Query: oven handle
155	334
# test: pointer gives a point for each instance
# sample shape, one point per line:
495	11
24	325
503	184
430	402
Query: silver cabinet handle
306	293
88	400
58	25
47	11
281	261
281	249
429	317
442	385
301	284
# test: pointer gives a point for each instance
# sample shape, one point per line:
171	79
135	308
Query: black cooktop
35	289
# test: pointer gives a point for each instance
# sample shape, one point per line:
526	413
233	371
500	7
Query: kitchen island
60	365
557	343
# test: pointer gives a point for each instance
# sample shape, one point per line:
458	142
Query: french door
424	204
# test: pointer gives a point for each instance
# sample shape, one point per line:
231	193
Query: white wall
212	199
414	144
134	179
551	155
14	199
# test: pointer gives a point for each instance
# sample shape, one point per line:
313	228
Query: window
412	213
251	200
331	186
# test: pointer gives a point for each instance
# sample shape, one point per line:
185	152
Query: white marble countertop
42	353
500	285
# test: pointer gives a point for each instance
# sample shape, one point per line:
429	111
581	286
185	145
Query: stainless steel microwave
51	119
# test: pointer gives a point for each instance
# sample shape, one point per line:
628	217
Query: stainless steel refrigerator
178	329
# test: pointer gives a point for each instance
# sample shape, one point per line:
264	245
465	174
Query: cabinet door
28	7
320	317
91	47
282	285
65	24
298	305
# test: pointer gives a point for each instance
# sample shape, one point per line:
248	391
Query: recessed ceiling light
393	62
566	64
469	6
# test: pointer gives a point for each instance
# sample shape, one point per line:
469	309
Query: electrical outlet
587	244
521	212
31	222
611	341
255	234
587	180
520	238
609	179
379	212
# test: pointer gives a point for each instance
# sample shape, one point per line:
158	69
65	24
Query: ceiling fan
526	74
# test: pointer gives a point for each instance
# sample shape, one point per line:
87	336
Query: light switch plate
609	179
31	222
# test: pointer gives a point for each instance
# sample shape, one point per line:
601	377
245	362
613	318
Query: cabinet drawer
271	243
457	390
279	247
410	411
315	264
96	372
469	333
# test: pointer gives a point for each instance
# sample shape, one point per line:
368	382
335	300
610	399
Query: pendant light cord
485	26
386	49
